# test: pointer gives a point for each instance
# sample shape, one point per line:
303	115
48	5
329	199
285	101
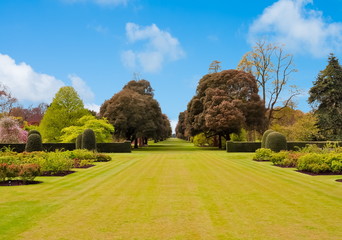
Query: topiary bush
33	131
34	143
276	142
264	136
88	140
79	142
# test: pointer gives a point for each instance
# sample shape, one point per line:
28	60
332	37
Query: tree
224	103
214	66
135	114
32	115
10	132
65	110
181	126
7	101
326	97
272	68
102	128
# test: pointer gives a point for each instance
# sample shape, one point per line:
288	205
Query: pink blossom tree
10	132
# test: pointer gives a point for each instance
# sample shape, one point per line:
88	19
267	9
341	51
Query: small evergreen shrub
276	142
88	140
79	142
34	143
33	131
264	136
262	154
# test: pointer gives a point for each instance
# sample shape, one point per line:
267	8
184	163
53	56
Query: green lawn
175	191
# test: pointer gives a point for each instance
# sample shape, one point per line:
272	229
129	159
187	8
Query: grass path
175	191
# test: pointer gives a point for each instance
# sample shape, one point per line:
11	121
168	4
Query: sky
97	46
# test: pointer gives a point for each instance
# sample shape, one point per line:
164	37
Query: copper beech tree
225	102
135	114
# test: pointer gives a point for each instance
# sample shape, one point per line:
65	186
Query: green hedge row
253	146
51	147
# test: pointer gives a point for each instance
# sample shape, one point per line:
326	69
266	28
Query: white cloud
160	46
93	107
84	91
101	2
300	28
25	84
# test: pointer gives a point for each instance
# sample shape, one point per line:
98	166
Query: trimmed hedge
242	146
51	147
253	146
114	147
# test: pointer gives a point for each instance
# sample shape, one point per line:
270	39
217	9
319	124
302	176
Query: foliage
31	116
181	126
201	140
239	137
10	132
326	96
214	66
53	163
313	162
34	143
264	137
65	110
102	128
276	142
26	172
34	131
78	143
134	113
286	159
263	154
88	140
225	102
272	67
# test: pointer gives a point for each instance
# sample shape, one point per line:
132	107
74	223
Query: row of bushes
124	147
309	159
26	166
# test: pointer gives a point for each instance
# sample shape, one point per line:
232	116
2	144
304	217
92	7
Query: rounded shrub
88	140
276	142
79	142
34	131
34	143
264	136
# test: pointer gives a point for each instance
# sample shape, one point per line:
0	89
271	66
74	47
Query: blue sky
97	45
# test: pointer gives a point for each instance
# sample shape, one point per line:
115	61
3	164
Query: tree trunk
135	143
219	141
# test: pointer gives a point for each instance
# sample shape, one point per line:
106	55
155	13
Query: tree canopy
102	128
326	97
225	102
134	113
65	110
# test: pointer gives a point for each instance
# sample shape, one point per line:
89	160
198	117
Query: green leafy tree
102	128
326	97
65	110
